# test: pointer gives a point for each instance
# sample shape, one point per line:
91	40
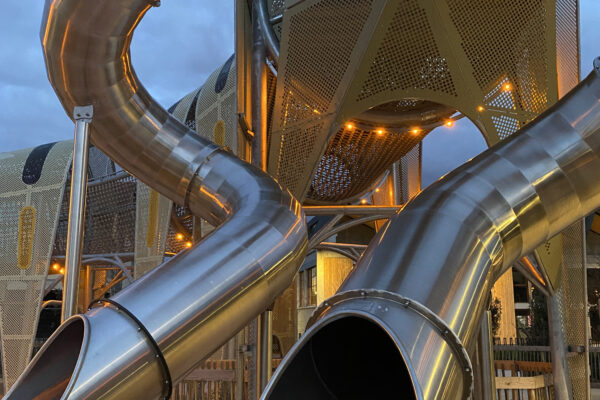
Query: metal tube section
196	301
488	372
396	183
258	90
89	290
266	348
425	280
351	210
77	197
260	37
266	27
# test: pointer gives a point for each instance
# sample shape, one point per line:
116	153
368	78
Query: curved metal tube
200	298
262	14
440	256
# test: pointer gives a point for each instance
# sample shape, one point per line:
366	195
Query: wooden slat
201	374
523	382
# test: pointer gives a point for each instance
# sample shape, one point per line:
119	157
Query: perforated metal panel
151	228
109	216
408	56
31	189
212	107
341	174
567	45
318	43
496	62
574	319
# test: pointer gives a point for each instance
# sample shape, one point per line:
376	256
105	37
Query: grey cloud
174	50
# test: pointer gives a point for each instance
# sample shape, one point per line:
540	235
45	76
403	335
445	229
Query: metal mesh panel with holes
152	224
401	62
34	181
210	110
567	45
573	295
340	174
499	63
318	48
109	216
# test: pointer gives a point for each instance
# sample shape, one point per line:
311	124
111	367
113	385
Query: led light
380	132
62	271
449	123
349	126
188	244
415	131
507	87
377	190
480	108
363	201
56	266
179	236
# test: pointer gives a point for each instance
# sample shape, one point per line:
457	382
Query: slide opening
350	358
49	375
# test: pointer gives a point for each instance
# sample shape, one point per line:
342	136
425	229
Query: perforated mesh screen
320	41
410	173
109	216
151	229
567	45
408	56
342	174
507	45
21	289
573	295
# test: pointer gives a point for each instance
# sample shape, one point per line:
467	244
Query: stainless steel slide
401	324
199	299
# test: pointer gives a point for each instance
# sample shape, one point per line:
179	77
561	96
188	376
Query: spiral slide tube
404	321
155	331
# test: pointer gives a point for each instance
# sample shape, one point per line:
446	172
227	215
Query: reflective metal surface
195	302
266	26
79	177
445	249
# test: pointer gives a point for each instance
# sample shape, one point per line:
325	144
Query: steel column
488	381
558	347
397	182
262	348
82	117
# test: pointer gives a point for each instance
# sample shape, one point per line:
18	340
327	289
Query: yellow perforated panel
326	33
573	304
30	198
567	45
151	228
496	62
26	235
408	56
341	173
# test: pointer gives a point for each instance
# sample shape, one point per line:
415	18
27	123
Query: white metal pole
82	117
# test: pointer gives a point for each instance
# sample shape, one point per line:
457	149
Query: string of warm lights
506	87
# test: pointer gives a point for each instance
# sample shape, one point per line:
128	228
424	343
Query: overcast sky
174	50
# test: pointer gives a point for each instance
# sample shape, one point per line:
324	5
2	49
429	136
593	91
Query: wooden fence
524	380
213	380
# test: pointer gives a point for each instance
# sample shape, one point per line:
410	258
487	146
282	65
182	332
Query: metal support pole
266	348
240	366
396	182
263	349
488	373
258	92
558	348
587	330
89	294
82	117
